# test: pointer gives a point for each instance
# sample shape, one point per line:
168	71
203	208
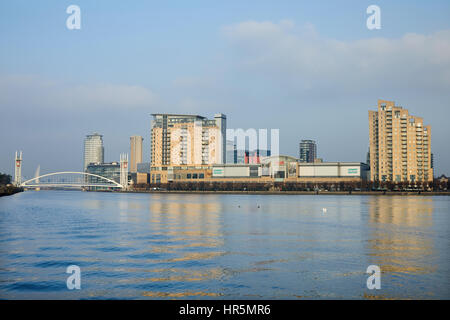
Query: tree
5	179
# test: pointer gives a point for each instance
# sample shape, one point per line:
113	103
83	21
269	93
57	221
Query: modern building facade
271	169
279	167
187	140
399	145
308	151
93	150
135	152
333	171
108	170
231	152
143	167
139	178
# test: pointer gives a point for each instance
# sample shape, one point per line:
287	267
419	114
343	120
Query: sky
311	69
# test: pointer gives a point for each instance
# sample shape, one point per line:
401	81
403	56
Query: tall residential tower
93	149
400	145
187	140
308	151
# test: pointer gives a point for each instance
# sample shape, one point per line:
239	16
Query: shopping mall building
271	169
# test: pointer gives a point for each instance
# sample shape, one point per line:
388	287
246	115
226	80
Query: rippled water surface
147	246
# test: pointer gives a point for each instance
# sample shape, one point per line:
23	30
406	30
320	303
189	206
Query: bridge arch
27	182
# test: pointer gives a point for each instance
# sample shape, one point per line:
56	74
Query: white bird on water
324	210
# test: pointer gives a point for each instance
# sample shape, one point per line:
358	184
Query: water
176	246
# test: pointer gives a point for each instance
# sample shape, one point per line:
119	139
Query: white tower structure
124	170
18	169
37	173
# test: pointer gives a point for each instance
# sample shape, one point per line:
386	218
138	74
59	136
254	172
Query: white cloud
305	60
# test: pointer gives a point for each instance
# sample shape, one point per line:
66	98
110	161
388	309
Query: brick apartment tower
400	145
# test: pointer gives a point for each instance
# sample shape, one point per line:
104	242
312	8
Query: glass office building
107	170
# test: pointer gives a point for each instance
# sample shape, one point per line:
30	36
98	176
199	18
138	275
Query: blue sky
311	69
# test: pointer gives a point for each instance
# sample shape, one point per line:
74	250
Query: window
194	176
201	176
188	176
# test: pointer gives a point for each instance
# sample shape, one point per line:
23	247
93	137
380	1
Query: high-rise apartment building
93	149
308	151
135	152
187	140
400	145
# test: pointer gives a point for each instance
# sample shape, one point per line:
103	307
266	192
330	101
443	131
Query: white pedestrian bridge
70	179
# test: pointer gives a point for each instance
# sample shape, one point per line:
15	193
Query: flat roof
98	164
330	163
178	115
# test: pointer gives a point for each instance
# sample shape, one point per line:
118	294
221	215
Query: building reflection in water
189	229
176	217
400	234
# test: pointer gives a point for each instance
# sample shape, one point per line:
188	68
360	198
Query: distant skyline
313	70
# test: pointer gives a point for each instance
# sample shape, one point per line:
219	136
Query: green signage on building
352	170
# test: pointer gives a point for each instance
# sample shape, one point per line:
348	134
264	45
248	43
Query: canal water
195	246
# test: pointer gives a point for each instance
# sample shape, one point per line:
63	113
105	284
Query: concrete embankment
371	193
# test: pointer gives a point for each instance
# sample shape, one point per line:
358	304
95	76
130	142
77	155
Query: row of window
194	176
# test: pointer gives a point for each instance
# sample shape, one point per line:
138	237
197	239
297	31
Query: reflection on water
174	246
396	251
179	294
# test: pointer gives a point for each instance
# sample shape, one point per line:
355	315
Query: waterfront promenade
334	193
